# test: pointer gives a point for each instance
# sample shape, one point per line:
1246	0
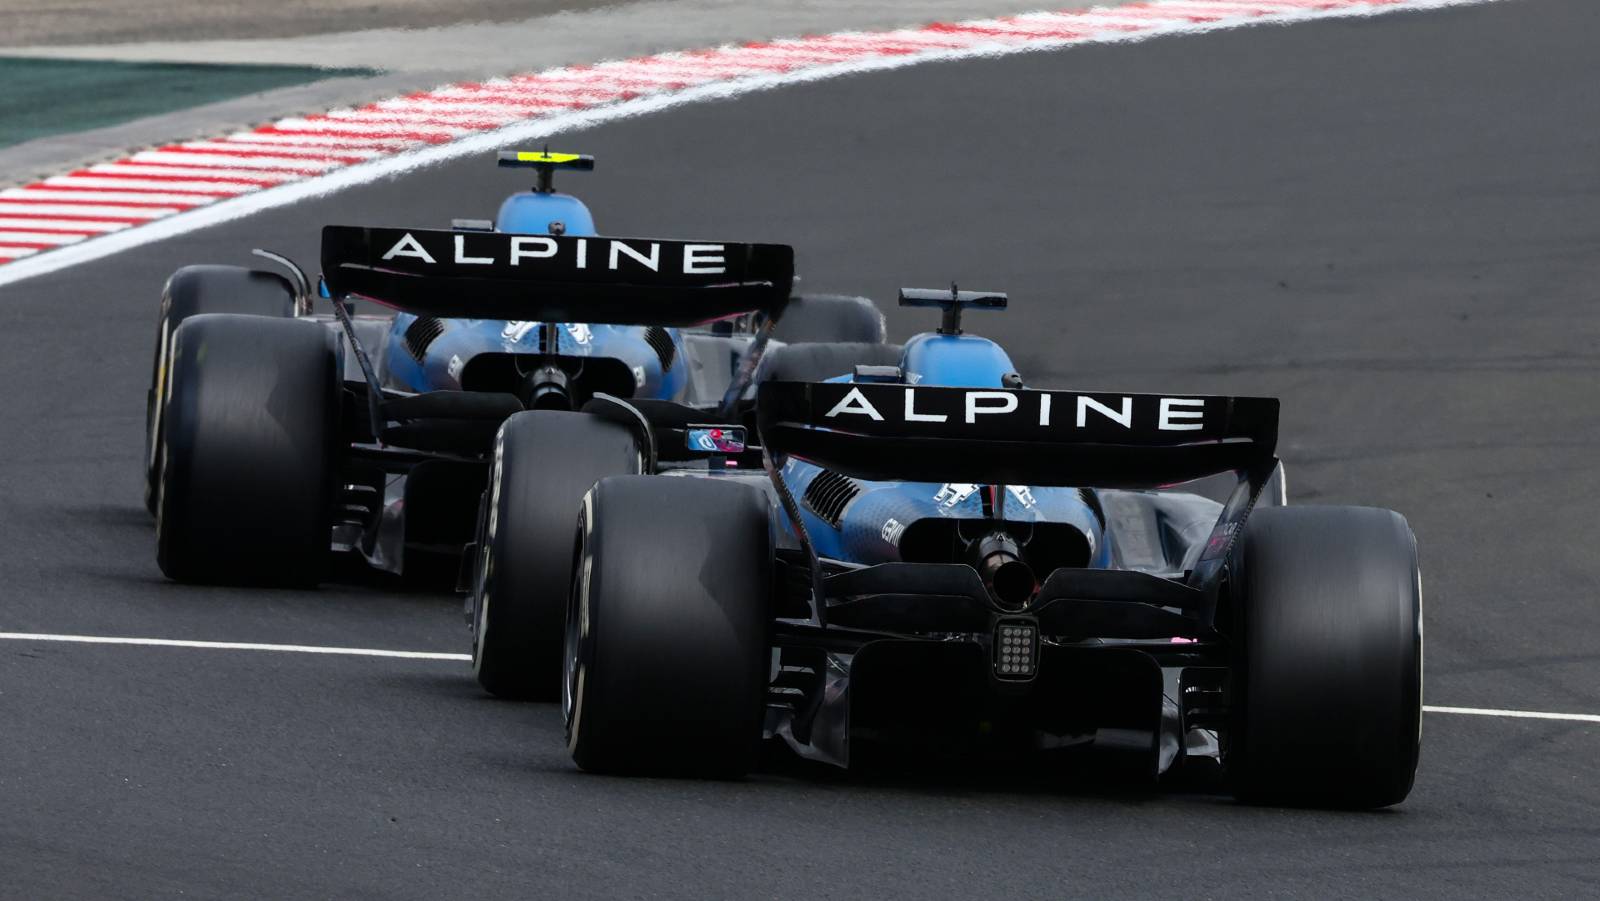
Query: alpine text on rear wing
639	281
1016	436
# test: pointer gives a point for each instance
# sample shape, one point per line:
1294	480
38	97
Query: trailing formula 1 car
935	554
278	435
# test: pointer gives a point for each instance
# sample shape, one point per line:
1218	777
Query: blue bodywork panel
531	213
867	522
955	361
440	362
446	359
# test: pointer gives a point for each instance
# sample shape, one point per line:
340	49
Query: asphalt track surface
1390	223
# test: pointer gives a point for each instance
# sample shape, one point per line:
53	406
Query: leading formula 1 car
277	435
934	553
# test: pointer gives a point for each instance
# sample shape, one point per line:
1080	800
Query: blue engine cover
531	213
446	354
955	361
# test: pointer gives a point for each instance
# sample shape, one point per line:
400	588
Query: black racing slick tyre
819	362
831	317
249	451
1326	606
544	462
191	291
668	638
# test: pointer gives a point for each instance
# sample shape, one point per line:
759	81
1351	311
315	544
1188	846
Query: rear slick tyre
544	463
249	461
668	641
1327	681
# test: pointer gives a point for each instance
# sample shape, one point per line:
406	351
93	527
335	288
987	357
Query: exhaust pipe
1009	579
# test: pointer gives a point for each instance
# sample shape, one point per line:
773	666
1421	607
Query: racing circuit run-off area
732	450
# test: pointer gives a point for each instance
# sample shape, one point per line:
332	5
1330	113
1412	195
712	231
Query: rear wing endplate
631	281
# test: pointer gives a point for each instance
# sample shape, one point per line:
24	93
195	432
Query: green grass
43	97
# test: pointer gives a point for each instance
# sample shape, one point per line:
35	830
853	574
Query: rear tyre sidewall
249	453
669	638
1327	681
544	462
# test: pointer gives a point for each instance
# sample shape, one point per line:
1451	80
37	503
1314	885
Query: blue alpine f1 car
928	551
278	435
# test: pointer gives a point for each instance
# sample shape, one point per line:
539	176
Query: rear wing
623	281
1016	436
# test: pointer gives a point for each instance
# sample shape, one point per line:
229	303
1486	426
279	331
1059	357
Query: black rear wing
1016	436
624	281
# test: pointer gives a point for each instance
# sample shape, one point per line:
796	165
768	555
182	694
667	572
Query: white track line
436	655
231	646
602	93
1518	714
